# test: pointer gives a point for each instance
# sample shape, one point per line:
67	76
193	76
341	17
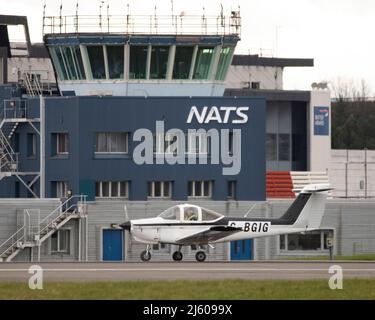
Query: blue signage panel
321	121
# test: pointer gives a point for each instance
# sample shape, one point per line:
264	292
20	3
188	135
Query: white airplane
190	225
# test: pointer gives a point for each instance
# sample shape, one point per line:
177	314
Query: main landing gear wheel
200	256
145	256
177	256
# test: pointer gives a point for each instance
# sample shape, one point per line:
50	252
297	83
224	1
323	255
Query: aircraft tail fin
308	209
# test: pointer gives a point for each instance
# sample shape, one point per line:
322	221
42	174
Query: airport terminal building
95	120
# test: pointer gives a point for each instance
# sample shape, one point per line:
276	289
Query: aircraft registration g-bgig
190	225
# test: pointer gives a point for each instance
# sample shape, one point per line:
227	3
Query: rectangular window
62	143
59	63
159	189
312	241
60	241
111	189
159	62
61	189
224	61
202	189
203	63
255	85
182	62
138	62
31	145
271	147
68	62
115	62
96	59
232	189
284	147
111	142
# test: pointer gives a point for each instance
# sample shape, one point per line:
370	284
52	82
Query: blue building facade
89	149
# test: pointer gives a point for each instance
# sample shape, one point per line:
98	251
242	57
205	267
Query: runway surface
82	272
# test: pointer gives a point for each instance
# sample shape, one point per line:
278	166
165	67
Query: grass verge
193	290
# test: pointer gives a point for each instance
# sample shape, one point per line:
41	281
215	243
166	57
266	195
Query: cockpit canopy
189	213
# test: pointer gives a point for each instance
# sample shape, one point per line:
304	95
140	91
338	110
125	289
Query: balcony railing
141	24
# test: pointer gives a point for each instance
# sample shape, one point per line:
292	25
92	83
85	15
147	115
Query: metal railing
143	24
27	232
72	205
13	109
13	241
8	158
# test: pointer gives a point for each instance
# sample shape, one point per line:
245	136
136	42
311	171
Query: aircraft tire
177	256
145	256
200	256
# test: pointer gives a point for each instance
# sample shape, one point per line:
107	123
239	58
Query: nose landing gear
146	254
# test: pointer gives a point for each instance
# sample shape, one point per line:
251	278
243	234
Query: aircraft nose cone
126	225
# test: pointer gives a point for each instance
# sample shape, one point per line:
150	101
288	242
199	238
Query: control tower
174	55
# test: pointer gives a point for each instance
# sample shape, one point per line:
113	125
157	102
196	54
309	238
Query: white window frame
110	196
62	189
202	182
58	143
108	142
59	250
162	184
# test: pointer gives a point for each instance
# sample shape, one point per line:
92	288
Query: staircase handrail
60	210
8	148
13	239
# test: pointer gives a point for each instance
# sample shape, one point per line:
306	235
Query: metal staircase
13	113
28	236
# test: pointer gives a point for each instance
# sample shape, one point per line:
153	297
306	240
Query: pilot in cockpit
190	214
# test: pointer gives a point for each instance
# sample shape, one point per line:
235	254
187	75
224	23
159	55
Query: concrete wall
352	173
19	65
270	78
353	223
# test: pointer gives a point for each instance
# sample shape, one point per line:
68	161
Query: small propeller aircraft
191	225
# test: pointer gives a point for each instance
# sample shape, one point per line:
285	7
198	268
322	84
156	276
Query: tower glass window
96	58
138	62
59	63
224	61
159	62
203	63
115	61
182	62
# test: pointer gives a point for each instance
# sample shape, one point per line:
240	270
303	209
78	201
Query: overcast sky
338	34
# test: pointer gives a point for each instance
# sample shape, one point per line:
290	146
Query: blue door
112	245
241	250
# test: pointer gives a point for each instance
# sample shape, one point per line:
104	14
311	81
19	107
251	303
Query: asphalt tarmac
84	272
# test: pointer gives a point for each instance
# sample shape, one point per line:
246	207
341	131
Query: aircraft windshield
171	214
209	215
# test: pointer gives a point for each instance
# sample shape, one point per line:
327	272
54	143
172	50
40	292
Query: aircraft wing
208	235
